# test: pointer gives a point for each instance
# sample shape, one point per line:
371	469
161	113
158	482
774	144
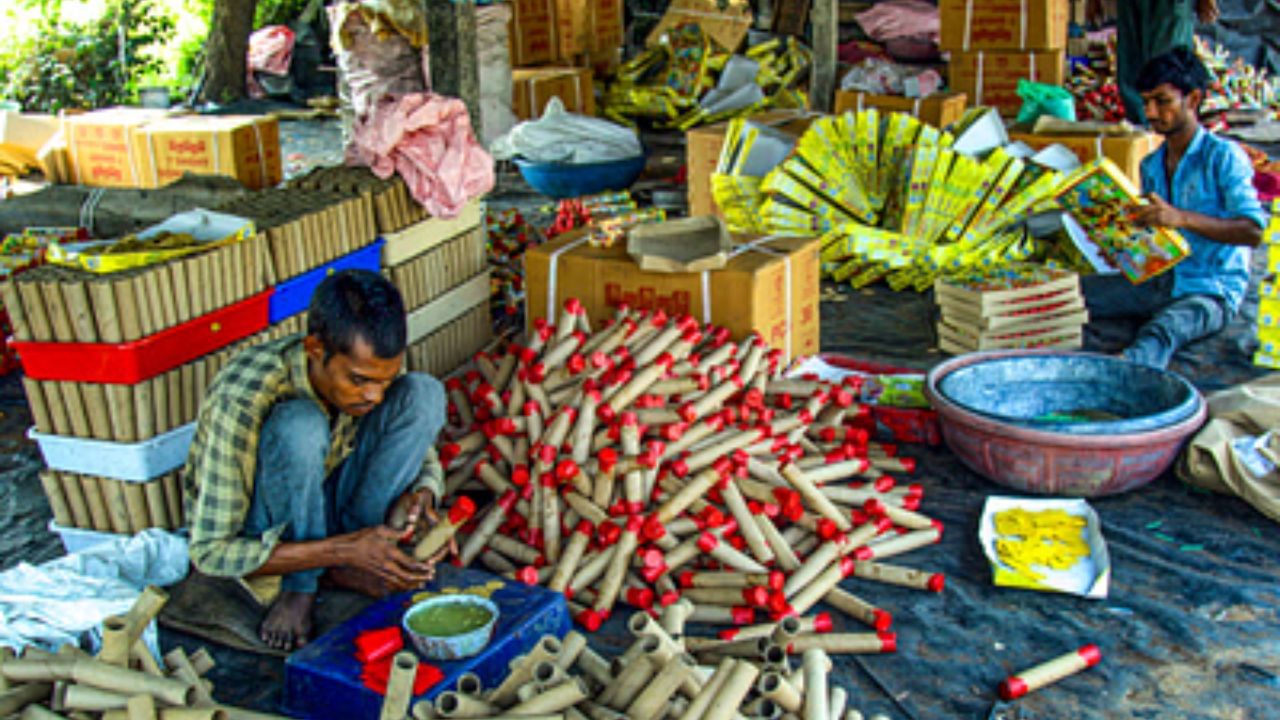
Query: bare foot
361	581
288	622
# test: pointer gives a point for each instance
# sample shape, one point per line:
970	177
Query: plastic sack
1042	99
64	601
561	136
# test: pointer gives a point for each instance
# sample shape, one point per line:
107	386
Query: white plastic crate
77	539
136	462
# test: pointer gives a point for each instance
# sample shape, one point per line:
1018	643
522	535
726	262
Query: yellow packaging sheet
1047	544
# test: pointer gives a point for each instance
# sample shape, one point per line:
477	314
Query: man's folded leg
289	490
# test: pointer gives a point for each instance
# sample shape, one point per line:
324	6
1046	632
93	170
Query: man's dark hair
358	304
1179	67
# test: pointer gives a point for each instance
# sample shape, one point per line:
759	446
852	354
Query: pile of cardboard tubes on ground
657	463
123	681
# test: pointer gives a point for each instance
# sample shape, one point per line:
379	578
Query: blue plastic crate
322	680
294	295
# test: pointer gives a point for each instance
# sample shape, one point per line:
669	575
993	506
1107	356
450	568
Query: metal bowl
1044	457
451	647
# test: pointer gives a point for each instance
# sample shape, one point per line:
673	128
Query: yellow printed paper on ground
1045	544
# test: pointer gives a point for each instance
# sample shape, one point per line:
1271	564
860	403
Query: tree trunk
227	50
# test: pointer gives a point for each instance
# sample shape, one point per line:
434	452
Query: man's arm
373	550
1228	231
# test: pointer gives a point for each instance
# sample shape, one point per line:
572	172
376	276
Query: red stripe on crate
134	362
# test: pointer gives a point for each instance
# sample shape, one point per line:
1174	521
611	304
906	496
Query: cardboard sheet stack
1022	306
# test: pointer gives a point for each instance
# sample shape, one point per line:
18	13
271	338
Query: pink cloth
428	140
900	18
270	51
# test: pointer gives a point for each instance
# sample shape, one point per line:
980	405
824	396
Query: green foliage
67	63
277	12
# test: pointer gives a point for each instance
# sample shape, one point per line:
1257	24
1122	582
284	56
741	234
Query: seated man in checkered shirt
314	454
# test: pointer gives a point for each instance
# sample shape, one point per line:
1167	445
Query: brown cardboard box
584	27
531	88
608	26
702	154
939	109
991	78
1126	151
101	143
773	290
27	130
531	32
725	21
1003	24
246	148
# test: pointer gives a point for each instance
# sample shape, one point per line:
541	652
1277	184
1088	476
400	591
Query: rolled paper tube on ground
837	704
708	456
814	498
726	579
784	555
642	625
18	697
34	667
859	496
776	687
568	318
816	666
616	572
487	528
439	535
900	516
859	609
712	545
640	382
798	388
497	563
719	615
830	471
115	641
548	673
461	403
699	703
847	643
553	699
653	700
39	712
887	547
57	500
586	508
557	354
491	478
571	647
459	705
746	523
1047	673
673	618
469	683
180	665
812	593
550	509
548	648
596	711
659	416
593	666
893	464
629	678
514	549
677	386
572	556
584	426
726	703
141	707
786	630
813	565
727	596
404	669
692	436
692	491
901	576
712	401
87	697
202	661
592	569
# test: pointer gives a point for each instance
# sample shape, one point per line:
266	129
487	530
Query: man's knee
421	397
296	432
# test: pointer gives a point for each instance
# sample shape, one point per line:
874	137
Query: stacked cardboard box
938	110
550	31
995	43
1127	151
1021	306
531	88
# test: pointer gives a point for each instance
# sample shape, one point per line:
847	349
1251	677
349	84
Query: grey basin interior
1078	394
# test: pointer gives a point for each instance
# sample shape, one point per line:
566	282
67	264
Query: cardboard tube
830	471
39	712
572	556
173	498
57	500
813	566
145	609
699	703
404	668
86	697
135	500
469	683
725	704
451	704
130	682
439	535
887	547
816	666
901	576
202	661
747	525
813	497
584	426
1049	672
117	509
180	665
522	670
592	569
488	527
629	677
550	511
899	515
847	643
673	618
838	702
553	699
592	665
653	700
777	688
810	594
141	707
691	491
141	655
721	615
157	509
615	573
711	544
116	643
497	563
784	555
92	488
19	697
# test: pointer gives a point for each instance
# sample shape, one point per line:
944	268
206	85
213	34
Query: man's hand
410	510
1207	11
1158	213
433	519
376	551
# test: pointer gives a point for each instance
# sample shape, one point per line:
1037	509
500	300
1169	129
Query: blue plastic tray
565	180
294	295
322	680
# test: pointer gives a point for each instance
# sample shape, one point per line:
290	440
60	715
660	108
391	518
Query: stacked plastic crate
1268	353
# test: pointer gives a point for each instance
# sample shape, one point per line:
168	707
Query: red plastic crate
910	425
133	362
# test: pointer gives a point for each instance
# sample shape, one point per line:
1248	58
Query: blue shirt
1213	178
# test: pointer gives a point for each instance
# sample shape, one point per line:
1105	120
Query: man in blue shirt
1200	185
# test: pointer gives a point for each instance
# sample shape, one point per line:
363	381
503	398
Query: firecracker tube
439	535
859	609
900	576
810	594
814	497
611	584
572	556
734	690
847	643
487	528
886	547
1047	673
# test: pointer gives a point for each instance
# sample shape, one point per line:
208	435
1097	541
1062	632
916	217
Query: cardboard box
991	78
584	27
608	27
246	148
531	88
1126	151
773	290
702	154
725	21
29	131
100	145
939	109
531	32
1003	24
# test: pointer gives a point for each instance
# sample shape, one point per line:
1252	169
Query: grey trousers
290	485
1170	322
